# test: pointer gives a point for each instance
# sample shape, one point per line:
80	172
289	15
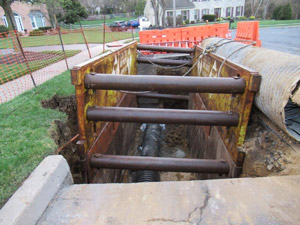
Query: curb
30	201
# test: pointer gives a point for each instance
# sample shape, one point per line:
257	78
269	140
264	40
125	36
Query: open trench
267	153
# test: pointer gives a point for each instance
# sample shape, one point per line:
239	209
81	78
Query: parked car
133	23
119	26
144	23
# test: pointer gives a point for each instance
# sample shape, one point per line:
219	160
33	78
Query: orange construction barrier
183	37
248	31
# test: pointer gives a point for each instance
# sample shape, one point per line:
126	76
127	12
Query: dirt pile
66	130
268	154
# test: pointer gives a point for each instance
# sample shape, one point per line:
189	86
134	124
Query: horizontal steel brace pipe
166	116
171	84
160	164
163	96
168	62
165	49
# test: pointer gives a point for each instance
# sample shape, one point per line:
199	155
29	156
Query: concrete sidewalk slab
28	203
260	201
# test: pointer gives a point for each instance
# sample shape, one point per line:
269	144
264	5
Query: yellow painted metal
123	61
209	66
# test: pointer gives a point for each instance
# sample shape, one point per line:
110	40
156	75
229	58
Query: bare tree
155	6
163	6
296	7
255	5
266	6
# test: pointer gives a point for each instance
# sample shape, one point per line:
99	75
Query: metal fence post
62	45
25	59
86	43
104	34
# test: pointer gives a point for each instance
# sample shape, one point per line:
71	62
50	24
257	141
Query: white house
193	10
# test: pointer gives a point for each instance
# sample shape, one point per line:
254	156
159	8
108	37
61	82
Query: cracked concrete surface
269	200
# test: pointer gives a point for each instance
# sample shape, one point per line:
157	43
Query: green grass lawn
92	36
12	71
25	132
107	21
262	23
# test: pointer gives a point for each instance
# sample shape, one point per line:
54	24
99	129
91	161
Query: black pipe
165	116
165	49
160	164
170	84
150	148
167	62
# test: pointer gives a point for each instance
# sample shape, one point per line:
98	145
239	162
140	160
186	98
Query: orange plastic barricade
183	37
248	31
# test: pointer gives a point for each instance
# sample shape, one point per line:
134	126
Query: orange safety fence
183	37
248	31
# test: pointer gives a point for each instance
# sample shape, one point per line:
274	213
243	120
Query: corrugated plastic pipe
279	94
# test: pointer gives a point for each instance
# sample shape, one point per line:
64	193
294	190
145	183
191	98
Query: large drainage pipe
279	94
165	83
160	164
150	148
162	116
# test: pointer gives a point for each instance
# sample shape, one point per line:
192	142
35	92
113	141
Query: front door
19	23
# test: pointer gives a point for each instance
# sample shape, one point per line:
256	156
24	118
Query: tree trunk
155	7
266	7
163	6
9	15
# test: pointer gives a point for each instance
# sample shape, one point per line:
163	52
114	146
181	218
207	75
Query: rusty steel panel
209	66
95	137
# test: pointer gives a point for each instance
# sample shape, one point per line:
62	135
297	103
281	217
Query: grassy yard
25	132
262	23
12	71
107	21
92	36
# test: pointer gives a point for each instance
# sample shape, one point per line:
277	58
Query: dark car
134	23
118	26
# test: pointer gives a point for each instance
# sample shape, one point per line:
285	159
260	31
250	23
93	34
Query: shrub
198	21
227	18
179	20
241	18
283	12
45	28
36	32
3	31
210	18
219	19
252	17
187	21
170	21
192	22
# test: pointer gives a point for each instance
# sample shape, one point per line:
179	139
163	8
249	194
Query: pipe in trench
150	147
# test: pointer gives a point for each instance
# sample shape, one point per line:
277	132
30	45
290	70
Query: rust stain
122	61
232	137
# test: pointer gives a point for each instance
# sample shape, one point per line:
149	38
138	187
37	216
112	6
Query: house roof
180	4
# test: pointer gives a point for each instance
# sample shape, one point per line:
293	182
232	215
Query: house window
5	21
37	19
217	12
229	11
169	14
239	11
196	14
185	15
205	12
